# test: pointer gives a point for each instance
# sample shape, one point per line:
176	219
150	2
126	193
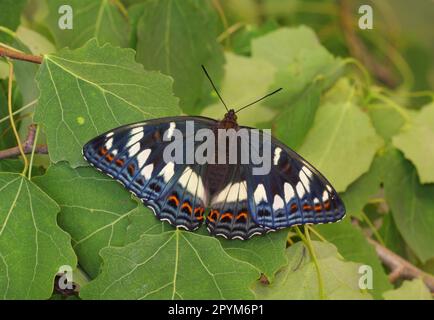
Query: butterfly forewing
133	155
293	193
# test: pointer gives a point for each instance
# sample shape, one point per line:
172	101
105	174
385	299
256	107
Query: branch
360	51
27	146
401	268
13	54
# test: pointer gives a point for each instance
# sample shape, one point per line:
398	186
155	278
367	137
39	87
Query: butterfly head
230	120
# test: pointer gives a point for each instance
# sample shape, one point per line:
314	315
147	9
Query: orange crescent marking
109	157
307	207
119	162
318	208
212	214
174	198
242	214
131	169
225	215
186	205
102	151
327	205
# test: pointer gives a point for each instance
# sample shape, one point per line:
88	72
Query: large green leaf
412	205
32	246
417	143
266	253
299	280
391	236
341	144
386	119
360	191
176	37
292	124
352	245
171	265
100	19
94	210
409	290
245	80
299	58
90	90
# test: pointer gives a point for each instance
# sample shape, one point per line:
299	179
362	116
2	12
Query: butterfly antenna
215	89
256	101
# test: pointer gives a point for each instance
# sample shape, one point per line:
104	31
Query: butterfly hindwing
229	215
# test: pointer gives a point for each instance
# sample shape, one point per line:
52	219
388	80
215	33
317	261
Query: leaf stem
17	55
372	227
33	152
317	234
308	242
30	104
14	128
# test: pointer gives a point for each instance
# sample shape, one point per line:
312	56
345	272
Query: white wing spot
142	157
170	130
304	180
109	144
300	190
278	203
307	171
277	152
289	192
168	171
147	171
260	194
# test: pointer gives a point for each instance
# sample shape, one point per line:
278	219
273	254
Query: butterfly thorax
229	121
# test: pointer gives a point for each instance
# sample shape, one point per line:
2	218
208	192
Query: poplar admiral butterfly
238	203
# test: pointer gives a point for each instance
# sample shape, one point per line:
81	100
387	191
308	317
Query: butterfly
228	198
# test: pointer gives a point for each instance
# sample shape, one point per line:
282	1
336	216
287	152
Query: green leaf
299	280
360	191
293	123
17	166
241	41
10	13
341	143
171	265
135	12
352	245
100	19
32	246
94	210
409	290
386	120
245	79
266	253
90	90
299	58
417	143
176	37
391	236
412	205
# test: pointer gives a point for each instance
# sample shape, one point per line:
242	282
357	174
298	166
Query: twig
360	51
401	268
27	146
13	54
